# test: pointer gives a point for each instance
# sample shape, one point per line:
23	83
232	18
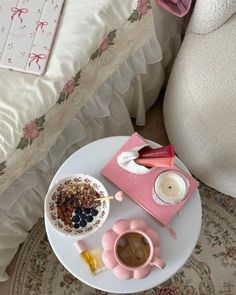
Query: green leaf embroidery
95	54
134	16
67	96
40	121
77	76
61	97
110	37
23	143
2	167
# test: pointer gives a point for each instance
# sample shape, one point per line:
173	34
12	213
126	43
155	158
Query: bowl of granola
73	206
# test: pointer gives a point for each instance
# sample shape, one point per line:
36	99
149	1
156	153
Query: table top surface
187	224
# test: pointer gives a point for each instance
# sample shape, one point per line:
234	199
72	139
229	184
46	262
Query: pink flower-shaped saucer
109	243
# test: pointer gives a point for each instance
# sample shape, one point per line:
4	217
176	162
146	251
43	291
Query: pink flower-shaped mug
131	249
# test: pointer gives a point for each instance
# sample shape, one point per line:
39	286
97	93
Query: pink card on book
27	30
139	187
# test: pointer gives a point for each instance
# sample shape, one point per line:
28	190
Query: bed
108	64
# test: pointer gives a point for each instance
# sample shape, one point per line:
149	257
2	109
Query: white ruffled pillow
208	15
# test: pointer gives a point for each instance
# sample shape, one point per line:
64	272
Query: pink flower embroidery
104	45
30	130
142	7
69	86
171	290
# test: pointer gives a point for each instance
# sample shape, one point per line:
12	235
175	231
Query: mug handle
158	263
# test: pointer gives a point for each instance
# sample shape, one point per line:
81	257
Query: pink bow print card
27	30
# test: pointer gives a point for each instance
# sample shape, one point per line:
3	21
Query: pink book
139	187
26	33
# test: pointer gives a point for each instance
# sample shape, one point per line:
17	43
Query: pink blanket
176	7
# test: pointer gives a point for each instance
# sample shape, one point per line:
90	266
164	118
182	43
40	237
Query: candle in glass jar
171	187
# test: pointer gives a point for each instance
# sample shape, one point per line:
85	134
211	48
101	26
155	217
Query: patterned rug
210	270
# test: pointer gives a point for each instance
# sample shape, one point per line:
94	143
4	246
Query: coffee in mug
133	249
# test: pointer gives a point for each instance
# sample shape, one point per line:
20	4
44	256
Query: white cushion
209	15
200	106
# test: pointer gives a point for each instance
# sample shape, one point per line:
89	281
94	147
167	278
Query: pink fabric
176	7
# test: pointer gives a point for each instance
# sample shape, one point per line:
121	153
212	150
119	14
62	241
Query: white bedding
34	110
126	79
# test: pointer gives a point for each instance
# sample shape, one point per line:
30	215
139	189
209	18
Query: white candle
171	187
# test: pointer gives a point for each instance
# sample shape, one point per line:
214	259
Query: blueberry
75	218
76	225
83	223
94	212
87	210
82	216
78	210
89	218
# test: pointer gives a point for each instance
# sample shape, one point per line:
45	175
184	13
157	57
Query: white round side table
90	160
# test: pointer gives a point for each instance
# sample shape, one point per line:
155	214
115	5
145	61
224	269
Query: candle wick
169	187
